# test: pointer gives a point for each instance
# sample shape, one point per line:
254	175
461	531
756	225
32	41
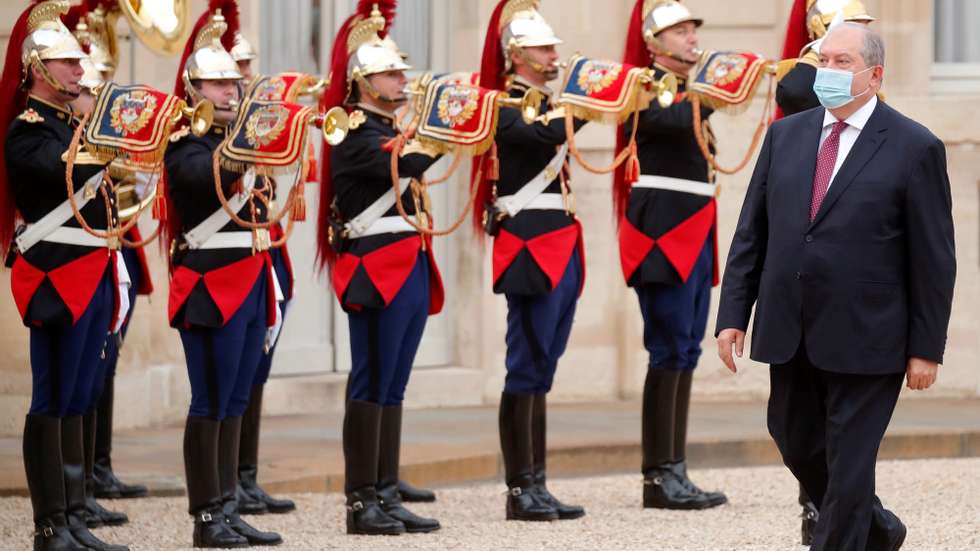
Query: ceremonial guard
92	29
808	23
538	258
252	499
66	282
667	227
222	292
382	270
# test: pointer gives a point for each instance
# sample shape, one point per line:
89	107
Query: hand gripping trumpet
268	138
452	114
129	128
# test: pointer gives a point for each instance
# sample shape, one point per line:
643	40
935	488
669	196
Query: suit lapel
809	144
869	141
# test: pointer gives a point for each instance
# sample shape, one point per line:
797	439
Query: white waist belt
676	184
235	240
388	224
73	236
544	201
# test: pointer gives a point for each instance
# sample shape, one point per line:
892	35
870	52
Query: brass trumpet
201	116
334	124
664	89
316	89
529	103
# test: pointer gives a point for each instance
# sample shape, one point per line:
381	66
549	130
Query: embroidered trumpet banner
456	112
134	120
727	80
281	87
270	134
600	90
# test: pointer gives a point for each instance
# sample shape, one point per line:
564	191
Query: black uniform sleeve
190	169
365	151
795	94
667	120
513	130
36	150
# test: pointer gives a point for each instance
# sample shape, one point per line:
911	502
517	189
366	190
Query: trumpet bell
334	124
128	201
529	104
201	117
162	25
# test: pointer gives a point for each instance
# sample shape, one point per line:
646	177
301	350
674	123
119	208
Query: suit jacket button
799	275
808	239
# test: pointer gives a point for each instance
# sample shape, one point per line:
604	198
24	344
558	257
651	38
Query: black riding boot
362	434
808	518
97	514
411	494
201	435
228	443
516	444
107	485
539	430
388	457
43	468
73	467
252	499
682	406
662	489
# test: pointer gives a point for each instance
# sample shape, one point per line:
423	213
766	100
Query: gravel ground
937	499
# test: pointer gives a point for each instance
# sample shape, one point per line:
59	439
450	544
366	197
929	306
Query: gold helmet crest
820	14
210	60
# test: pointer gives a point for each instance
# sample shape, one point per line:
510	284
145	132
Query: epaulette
356	119
180	134
30	115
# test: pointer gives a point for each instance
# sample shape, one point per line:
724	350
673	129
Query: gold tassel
160	208
298	213
632	165
493	164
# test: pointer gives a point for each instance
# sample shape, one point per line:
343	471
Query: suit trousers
828	427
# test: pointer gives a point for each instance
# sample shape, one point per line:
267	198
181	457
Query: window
957	47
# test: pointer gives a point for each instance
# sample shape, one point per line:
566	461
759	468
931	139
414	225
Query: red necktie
825	168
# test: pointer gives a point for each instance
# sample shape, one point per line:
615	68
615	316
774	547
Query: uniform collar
522	83
681	77
63	112
386	117
858	119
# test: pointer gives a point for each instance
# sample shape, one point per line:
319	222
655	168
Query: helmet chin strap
365	86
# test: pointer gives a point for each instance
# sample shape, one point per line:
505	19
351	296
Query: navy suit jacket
867	284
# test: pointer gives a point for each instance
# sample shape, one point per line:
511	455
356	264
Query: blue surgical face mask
833	87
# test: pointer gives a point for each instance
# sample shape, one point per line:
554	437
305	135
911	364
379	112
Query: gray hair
873	51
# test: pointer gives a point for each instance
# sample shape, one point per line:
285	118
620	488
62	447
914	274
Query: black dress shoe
663	490
565	512
411	494
254	536
523	503
108	486
679	468
808	523
79	530
211	531
391	503
97	515
366	517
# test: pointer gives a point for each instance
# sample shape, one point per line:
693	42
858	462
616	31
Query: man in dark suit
845	245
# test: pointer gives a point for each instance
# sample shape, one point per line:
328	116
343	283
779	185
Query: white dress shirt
855	124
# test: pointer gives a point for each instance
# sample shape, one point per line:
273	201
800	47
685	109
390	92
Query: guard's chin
551	74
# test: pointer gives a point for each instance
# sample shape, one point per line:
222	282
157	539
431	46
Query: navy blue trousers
221	362
65	361
282	274
113	345
675	317
538	327
384	341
